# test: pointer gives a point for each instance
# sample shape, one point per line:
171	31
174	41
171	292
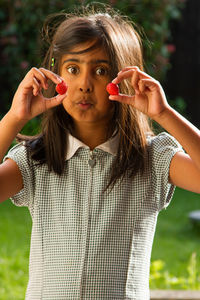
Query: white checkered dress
86	244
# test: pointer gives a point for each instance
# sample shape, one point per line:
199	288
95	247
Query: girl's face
87	75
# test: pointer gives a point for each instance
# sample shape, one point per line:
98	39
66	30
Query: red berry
61	88
112	89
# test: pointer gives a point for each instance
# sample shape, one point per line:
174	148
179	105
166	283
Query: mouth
85	104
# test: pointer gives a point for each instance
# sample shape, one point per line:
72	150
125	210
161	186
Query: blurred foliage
21	22
160	278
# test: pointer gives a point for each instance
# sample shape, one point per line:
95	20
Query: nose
85	85
85	90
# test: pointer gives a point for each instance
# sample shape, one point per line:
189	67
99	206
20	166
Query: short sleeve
162	148
19	154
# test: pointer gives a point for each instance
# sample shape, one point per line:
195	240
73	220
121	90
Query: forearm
9	128
184	132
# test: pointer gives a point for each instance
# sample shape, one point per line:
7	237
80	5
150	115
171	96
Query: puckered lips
85	103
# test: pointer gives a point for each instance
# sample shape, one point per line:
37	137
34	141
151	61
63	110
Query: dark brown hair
108	29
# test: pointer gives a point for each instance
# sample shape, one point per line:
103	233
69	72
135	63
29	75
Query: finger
36	86
52	76
129	68
54	101
140	72
122	98
148	85
134	81
122	75
132	74
41	78
31	85
128	72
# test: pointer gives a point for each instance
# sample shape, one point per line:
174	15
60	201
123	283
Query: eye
101	71
73	70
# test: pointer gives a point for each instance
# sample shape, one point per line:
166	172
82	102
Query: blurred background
170	31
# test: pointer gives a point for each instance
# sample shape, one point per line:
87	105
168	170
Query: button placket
88	219
91	160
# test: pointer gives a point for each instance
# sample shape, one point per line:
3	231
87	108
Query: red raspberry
61	88
112	89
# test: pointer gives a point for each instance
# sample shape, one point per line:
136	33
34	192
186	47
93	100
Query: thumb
54	101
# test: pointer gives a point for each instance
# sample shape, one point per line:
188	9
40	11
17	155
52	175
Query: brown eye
73	70
101	71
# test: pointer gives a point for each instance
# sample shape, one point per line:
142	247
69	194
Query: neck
91	135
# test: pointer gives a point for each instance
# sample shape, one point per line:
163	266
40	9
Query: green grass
176	238
15	229
175	241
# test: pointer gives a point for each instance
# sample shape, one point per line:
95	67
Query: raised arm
28	102
150	99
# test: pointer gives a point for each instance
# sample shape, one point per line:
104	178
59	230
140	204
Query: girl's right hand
28	101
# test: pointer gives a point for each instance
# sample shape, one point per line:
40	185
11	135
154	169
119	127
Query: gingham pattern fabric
86	244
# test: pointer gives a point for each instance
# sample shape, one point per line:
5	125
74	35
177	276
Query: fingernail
59	79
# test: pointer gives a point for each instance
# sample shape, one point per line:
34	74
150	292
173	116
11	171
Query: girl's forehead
87	46
82	47
83	51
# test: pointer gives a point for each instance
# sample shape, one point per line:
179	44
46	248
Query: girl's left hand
149	96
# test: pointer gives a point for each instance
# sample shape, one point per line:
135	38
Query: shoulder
18	150
162	142
32	147
22	154
161	149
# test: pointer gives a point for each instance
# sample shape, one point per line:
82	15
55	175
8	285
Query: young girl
96	177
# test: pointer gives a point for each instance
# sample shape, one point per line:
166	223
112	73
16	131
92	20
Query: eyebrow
93	61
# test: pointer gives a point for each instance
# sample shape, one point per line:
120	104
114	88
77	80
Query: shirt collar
73	144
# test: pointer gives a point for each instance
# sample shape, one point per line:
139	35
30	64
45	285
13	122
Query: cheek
67	104
105	104
105	98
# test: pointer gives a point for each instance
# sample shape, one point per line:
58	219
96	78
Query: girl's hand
149	96
28	101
